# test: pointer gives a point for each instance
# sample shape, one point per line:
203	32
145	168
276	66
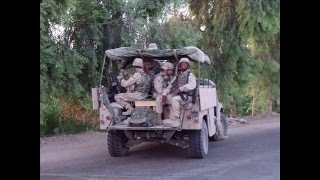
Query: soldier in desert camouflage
184	83
141	83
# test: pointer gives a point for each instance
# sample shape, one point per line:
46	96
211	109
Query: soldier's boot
121	102
167	122
173	122
159	120
125	105
176	121
129	110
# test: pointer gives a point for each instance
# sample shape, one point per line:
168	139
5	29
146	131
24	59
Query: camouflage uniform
185	83
151	66
160	82
142	84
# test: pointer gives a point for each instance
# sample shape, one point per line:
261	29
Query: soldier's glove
176	92
164	99
119	78
123	72
120	74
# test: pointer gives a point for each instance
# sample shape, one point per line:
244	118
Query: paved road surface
252	152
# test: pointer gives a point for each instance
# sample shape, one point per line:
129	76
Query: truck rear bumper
153	128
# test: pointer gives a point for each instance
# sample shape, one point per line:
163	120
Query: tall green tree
50	13
242	37
233	31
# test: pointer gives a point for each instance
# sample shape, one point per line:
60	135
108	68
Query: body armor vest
181	80
144	85
166	80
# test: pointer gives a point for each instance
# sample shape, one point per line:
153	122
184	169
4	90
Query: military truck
199	118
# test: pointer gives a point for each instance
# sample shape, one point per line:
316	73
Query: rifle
104	96
184	95
113	80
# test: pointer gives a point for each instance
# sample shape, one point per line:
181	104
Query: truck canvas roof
127	54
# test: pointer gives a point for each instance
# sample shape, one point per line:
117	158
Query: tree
242	38
234	29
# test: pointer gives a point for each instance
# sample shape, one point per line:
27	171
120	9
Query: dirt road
252	152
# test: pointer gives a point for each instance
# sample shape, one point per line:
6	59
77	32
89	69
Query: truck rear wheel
116	141
199	142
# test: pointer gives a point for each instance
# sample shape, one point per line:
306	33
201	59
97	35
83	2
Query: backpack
142	117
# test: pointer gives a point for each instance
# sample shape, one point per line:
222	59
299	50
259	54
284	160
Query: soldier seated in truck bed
141	82
178	91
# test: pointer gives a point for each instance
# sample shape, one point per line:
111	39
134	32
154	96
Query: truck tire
116	141
224	124
199	142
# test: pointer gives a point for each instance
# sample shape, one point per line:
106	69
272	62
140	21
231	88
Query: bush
243	104
50	116
59	116
71	126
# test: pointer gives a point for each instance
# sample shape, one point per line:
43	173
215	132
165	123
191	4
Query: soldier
150	65
141	82
182	84
177	91
161	80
